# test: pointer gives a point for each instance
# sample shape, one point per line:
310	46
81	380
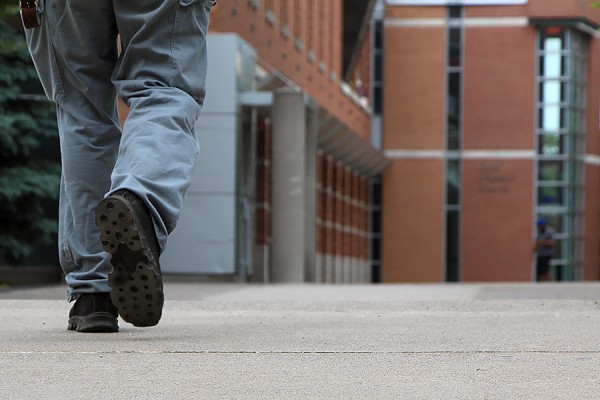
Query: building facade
281	191
488	110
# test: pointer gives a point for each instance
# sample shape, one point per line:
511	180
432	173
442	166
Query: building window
376	234
453	122
454	78
560	136
377	63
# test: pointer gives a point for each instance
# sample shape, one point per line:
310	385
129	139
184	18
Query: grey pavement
234	341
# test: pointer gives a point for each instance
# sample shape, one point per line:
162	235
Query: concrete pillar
310	195
293	189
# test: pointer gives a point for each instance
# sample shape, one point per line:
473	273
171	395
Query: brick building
429	135
281	192
488	110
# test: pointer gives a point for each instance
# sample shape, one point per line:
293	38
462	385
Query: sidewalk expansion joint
244	352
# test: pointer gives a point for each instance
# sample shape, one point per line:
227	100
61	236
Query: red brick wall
415	12
342	218
499	71
413	221
499	104
362	67
592	223
496	11
497	216
592	176
320	30
497	203
563	8
414	70
414	97
593	123
540	9
316	67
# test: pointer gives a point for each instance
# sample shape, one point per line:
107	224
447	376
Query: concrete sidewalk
227	341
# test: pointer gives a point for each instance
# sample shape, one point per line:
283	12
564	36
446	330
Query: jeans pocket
188	46
43	54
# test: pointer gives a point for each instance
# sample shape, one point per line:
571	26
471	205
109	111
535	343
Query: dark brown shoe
127	233
93	312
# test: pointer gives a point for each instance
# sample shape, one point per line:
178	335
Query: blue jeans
160	73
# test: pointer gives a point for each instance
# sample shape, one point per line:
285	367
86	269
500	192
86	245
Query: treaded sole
97	322
135	279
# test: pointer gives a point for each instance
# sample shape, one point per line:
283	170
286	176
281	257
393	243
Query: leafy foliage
28	180
8	8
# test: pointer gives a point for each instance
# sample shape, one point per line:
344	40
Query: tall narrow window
376	234
560	134
377	81
453	105
376	96
454	74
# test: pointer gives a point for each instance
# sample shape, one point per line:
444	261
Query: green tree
28	179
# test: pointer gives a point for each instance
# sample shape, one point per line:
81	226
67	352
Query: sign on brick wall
494	179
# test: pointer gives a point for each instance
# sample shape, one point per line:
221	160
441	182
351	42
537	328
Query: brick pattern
562	8
342	224
414	63
497	213
497	196
499	72
413	221
593	99
495	11
592	175
360	75
302	39
415	12
499	114
540	9
591	269
308	22
342	220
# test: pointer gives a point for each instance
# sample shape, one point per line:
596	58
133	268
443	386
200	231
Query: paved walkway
227	341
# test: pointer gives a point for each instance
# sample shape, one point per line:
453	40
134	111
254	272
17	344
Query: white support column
292	205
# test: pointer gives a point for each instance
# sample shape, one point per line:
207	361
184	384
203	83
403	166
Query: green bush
29	180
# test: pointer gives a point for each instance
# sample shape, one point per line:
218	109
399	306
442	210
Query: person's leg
543	269
161	75
75	52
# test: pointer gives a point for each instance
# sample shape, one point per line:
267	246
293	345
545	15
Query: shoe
127	233
93	312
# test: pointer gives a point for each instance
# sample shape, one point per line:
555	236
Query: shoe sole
135	279
96	322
